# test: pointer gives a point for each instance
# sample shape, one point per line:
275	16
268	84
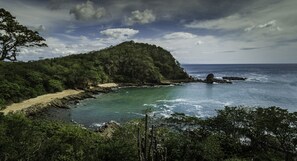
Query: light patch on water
97	125
200	108
135	113
254	77
173	101
151	105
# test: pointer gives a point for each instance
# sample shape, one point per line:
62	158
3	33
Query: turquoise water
267	85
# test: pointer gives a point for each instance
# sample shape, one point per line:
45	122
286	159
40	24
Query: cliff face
127	62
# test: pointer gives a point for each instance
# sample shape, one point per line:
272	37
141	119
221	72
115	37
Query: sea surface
266	85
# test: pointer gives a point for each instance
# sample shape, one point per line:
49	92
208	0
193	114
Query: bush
207	140
54	86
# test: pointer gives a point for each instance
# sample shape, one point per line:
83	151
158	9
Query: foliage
128	62
253	134
13	36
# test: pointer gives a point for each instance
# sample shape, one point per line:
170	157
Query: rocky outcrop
108	128
210	79
64	103
234	78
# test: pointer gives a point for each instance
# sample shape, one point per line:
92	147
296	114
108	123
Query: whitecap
169	106
135	113
150	105
172	101
97	124
253	77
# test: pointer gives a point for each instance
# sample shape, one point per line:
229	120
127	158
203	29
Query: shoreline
59	99
62	100
39	101
67	97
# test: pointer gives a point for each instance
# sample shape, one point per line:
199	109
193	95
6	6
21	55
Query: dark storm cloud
193	30
177	9
163	10
57	4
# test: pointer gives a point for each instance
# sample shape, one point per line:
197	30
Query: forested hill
127	62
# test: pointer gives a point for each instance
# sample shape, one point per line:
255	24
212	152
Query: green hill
127	62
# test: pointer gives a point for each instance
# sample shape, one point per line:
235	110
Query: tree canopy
14	35
127	62
235	134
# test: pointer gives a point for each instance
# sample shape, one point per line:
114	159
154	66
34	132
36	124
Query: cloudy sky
194	31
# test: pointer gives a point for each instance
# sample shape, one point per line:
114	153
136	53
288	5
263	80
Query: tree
14	35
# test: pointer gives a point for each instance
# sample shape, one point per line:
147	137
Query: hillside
127	62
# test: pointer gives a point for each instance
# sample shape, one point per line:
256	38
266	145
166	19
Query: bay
267	85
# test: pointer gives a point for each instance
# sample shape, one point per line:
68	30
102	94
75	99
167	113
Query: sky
194	31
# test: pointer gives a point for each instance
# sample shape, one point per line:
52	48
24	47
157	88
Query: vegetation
235	134
13	36
128	62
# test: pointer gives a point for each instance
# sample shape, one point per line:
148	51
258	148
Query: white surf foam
253	77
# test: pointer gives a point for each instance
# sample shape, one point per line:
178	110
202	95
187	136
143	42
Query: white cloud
87	11
227	23
63	46
235	22
269	26
179	35
274	23
39	28
119	33
212	49
137	16
33	15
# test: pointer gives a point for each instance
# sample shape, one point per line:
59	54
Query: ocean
266	85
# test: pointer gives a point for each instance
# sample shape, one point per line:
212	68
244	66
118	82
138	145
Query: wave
254	77
97	125
183	100
173	101
199	108
150	105
135	113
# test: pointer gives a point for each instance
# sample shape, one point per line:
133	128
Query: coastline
62	100
58	99
42	100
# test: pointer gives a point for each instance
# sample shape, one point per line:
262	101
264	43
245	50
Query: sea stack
210	78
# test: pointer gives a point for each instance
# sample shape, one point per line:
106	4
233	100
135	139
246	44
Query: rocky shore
64	102
60	100
38	106
211	79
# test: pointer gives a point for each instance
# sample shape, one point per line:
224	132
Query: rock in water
210	78
108	128
234	78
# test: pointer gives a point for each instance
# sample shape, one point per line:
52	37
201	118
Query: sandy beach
43	99
108	85
47	98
